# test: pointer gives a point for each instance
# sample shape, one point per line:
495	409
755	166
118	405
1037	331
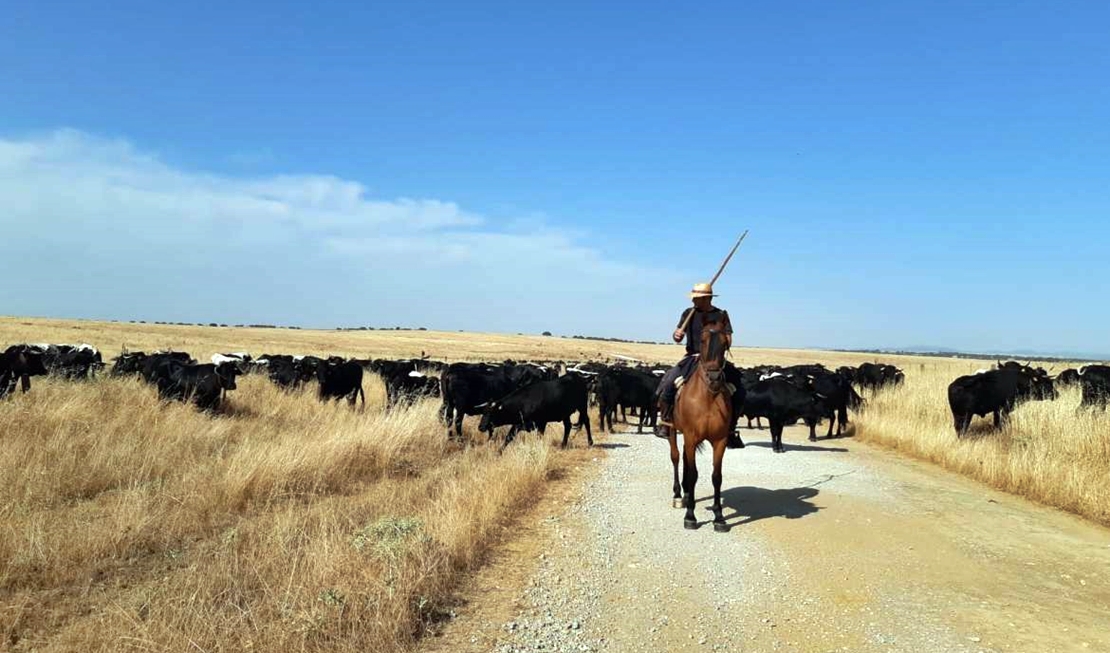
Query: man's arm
727	330
679	334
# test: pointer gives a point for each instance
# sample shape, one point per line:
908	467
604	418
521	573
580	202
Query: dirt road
834	546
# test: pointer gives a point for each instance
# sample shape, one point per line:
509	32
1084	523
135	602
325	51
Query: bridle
712	358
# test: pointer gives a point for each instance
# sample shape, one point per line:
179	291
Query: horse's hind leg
674	463
719	524
689	482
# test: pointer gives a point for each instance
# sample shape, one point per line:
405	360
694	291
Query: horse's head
713	346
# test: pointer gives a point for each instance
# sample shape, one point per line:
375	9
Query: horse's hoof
813	439
677	503
690	524
720	527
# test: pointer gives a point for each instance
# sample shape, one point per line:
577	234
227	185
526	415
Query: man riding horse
704	312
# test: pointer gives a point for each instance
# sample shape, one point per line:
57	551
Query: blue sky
912	173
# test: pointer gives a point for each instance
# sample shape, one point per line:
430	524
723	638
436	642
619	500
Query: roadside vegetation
287	524
1051	451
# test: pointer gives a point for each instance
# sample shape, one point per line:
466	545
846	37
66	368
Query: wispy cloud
77	204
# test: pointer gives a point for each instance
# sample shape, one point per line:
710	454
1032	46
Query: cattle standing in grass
996	391
340	380
535	406
406	380
1067	378
150	364
876	376
289	372
467	387
204	384
75	362
128	363
72	362
1095	383
282	371
19	363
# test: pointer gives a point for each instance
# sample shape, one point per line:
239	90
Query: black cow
128	363
407	380
340	380
835	391
71	362
748	377
156	361
996	391
289	372
876	376
74	361
19	363
1067	378
783	401
282	370
534	406
627	388
467	387
204	384
1095	383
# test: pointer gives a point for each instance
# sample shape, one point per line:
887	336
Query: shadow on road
754	503
612	445
799	447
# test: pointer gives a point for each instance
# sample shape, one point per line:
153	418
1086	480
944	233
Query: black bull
996	392
535	406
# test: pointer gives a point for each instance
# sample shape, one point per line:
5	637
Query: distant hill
1025	354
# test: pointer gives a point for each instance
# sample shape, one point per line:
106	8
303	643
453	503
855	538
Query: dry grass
1050	452
128	524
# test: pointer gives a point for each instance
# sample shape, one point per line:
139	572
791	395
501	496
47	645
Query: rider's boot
665	426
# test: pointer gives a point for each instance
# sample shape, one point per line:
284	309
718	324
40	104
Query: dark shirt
693	332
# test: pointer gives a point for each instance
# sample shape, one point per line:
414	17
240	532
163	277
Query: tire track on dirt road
834	546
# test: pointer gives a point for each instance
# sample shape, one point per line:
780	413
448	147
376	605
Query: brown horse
703	412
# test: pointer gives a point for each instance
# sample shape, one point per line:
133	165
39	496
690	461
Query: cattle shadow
611	445
751	504
799	447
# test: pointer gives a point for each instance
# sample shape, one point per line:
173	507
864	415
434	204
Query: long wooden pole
690	315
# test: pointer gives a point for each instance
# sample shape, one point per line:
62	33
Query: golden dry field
287	524
1050	451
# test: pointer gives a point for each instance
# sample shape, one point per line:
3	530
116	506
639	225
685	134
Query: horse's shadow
800	447
612	445
755	503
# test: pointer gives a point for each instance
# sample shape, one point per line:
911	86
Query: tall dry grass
285	524
1051	452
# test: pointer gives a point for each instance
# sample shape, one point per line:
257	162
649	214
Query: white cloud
83	210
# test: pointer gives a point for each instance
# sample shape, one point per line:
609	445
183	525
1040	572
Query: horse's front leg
673	440
689	482
719	447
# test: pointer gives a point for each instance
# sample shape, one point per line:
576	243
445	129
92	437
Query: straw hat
702	290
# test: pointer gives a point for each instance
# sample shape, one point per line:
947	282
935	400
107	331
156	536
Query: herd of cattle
530	395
